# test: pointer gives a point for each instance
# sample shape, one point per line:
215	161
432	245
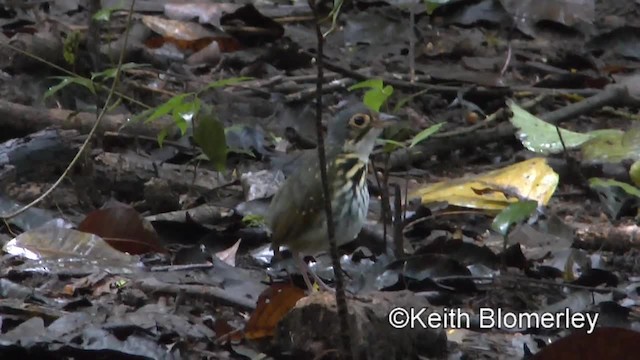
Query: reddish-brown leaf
122	227
603	343
273	304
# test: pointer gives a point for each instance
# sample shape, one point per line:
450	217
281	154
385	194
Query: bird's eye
359	120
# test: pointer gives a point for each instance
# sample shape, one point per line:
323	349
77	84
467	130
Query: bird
296	215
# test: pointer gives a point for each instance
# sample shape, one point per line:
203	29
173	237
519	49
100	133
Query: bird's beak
385	120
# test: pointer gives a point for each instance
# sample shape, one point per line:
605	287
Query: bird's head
356	128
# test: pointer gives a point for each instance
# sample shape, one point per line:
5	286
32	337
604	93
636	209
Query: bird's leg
302	265
321	283
304	269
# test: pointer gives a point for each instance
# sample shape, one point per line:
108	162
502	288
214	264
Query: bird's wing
298	205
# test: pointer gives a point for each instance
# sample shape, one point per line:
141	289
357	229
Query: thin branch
386	203
398	236
341	301
412	44
507	62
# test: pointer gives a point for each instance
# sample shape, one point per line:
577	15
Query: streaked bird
296	215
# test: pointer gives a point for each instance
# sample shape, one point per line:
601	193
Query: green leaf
54	89
187	108
111	72
227	82
377	94
162	135
143	115
104	14
167	107
335	11
66	81
612	146
513	214
183	111
87	83
374	99
209	135
432	5
634	172
424	134
391	145
181	123
628	188
402	102
70	47
539	136
367	84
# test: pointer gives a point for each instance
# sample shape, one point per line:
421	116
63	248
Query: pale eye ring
360	120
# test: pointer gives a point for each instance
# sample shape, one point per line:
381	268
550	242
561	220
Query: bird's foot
321	285
324	287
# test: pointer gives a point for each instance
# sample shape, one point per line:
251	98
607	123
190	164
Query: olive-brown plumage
296	214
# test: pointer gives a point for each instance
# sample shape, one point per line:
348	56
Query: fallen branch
26	119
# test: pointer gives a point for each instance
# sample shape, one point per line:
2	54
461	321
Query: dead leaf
122	227
273	304
532	179
603	343
229	255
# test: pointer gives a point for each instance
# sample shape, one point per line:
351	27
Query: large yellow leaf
532	179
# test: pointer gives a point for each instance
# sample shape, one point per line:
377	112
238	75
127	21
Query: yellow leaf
532	179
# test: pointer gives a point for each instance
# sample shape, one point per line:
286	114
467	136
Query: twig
519	279
507	61
309	93
453	90
341	301
412	44
386	203
105	108
623	114
398	236
574	166
187	267
613	95
201	291
496	115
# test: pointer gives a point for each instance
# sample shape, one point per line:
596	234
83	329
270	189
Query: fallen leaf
273	304
532	179
229	255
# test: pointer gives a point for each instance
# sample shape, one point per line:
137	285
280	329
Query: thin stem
341	301
398	236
